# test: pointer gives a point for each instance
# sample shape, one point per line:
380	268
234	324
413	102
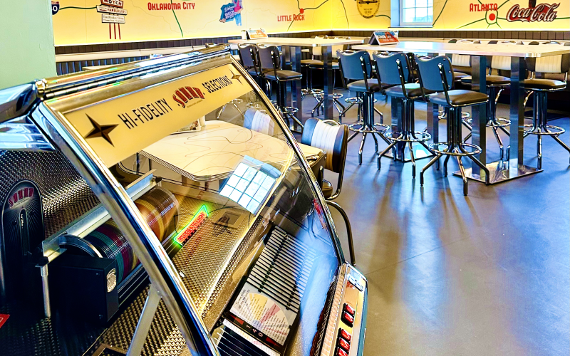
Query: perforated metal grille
36	340
65	195
163	338
210	258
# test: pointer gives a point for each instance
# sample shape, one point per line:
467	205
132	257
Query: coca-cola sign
541	12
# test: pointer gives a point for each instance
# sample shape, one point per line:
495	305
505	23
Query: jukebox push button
343	344
348	319
345	334
349	309
340	352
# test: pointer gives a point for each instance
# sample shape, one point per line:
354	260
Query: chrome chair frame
454	145
407	135
367	126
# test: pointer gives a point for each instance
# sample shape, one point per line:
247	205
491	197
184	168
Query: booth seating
270	69
356	67
332	138
394	70
541	87
436	75
460	61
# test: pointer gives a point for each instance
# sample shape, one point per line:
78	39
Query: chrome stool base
367	125
420	137
455	147
540	125
292	120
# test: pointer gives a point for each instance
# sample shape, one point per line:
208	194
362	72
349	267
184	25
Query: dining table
191	153
502	170
292	48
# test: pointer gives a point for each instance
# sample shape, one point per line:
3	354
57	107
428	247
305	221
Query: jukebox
162	207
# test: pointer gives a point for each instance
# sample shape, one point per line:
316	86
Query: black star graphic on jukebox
236	76
100	130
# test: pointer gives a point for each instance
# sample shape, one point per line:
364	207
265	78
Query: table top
507	50
301	42
191	153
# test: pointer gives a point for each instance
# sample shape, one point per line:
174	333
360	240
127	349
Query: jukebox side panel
22	235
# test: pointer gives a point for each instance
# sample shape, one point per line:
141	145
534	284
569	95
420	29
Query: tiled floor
487	274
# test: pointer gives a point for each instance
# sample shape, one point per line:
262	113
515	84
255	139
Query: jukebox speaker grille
65	195
209	259
283	269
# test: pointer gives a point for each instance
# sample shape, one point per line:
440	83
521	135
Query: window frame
414	24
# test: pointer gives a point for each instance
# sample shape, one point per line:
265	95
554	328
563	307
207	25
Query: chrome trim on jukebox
300	158
122	209
352	288
67	84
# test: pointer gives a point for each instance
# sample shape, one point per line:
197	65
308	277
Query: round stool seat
337	95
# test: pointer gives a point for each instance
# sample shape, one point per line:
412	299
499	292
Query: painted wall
472	15
26	43
79	22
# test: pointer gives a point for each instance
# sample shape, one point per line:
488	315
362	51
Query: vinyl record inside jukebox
186	174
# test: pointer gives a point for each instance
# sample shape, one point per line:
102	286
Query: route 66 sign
368	8
54	7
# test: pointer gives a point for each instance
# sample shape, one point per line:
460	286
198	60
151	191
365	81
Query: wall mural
104	21
504	14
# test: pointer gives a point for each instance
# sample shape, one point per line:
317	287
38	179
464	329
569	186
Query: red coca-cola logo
541	12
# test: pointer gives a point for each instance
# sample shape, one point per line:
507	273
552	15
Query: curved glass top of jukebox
202	189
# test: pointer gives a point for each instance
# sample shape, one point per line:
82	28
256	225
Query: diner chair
248	58
269	64
541	87
463	62
394	70
332	138
495	86
356	67
436	75
259	121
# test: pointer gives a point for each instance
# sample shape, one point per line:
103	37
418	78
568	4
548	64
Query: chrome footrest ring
551	130
420	136
353	100
435	147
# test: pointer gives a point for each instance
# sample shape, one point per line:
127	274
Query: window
416	12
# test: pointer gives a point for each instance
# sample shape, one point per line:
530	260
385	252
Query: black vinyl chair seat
310	61
283	75
459	97
413	90
491	80
544	84
460	75
360	86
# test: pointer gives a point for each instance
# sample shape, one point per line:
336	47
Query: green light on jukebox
192	226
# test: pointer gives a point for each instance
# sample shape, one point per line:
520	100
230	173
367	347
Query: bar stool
331	137
436	74
541	87
248	58
394	70
269	64
356	66
495	85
